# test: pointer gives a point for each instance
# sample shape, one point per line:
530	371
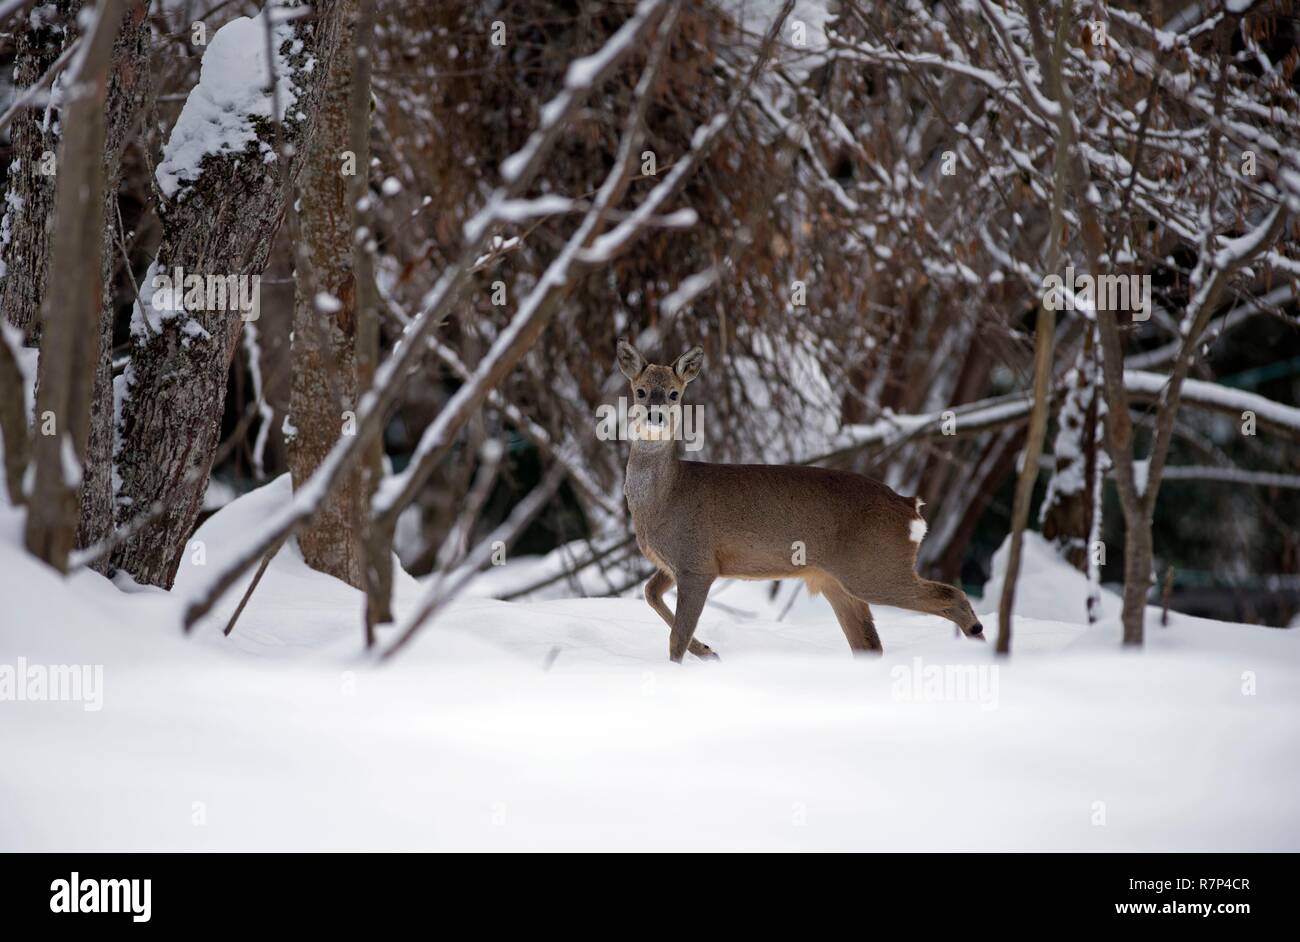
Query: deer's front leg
654	594
692	593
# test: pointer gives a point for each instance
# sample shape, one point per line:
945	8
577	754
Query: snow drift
559	724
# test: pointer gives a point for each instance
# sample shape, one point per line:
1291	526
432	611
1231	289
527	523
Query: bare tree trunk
128	84
324	388
72	305
1209	281
13	417
1095	465
377	555
25	224
1119	442
220	224
1045	335
1067	511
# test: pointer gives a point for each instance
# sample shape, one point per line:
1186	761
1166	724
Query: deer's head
658	390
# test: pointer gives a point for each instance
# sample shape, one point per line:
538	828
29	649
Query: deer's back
772	521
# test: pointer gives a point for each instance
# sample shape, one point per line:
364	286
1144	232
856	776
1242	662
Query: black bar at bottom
1223	892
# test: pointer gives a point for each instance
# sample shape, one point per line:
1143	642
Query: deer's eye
673	395
640	393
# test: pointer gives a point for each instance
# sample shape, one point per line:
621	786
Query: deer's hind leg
919	595
660	583
855	619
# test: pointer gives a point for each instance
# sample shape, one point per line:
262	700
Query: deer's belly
760	563
753	557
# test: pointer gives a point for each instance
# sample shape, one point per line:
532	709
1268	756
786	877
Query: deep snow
559	724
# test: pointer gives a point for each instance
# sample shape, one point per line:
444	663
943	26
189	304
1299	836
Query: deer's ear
689	364
629	361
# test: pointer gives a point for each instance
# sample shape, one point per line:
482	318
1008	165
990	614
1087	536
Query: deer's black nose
977	629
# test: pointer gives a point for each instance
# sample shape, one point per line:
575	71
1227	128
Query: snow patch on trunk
233	90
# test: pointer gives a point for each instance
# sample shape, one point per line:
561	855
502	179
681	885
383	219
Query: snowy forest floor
560	724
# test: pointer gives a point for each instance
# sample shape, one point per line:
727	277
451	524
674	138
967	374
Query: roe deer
848	537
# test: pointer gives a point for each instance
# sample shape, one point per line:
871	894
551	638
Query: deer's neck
651	470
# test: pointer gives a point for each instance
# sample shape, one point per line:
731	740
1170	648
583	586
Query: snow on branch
1001	411
605	248
1233	476
1281	418
879	55
534	312
1237	252
1238	315
446	586
970	419
31	96
582	76
391	377
1003	28
562	454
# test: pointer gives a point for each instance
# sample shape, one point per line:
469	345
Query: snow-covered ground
559	724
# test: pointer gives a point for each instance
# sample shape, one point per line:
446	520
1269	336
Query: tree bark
1044	333
13	417
324	391
220	224
1067	510
1138	557
25	225
128	84
71	308
376	555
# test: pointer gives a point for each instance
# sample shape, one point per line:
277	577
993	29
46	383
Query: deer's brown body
847	536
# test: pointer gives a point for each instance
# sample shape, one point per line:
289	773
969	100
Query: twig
252	586
25	99
446	587
568	570
456	544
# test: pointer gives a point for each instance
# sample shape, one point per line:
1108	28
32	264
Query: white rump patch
918	526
